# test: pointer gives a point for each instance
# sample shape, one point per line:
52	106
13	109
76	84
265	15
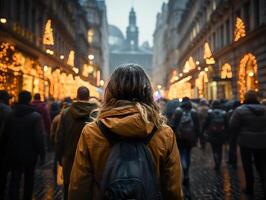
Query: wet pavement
205	183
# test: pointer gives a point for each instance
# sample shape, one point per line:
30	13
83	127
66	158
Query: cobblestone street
206	184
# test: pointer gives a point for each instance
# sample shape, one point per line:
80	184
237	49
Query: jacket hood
127	121
256	109
82	109
21	110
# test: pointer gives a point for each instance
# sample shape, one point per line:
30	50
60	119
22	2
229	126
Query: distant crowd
128	146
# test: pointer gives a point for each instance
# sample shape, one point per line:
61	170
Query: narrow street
206	184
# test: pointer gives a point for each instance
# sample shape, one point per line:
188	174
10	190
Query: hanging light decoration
71	58
226	71
48	38
208	54
240	31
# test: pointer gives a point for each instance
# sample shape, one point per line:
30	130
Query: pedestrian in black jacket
185	124
5	114
248	124
24	145
214	130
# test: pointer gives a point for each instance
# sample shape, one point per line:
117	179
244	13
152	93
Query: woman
129	111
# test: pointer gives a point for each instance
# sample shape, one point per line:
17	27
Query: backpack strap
115	138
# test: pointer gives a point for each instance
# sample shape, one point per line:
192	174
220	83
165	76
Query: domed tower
132	31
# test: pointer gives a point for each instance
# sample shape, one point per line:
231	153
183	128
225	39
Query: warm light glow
91	57
98	77
71	58
176	78
45	68
3	20
180	74
226	71
101	83
159	87
90	36
208	54
189	65
247	75
240	31
197	62
49	51
48	38
200	83
62	57
206	69
76	70
199	68
181	89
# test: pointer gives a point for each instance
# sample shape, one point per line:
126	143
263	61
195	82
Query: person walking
5	114
249	127
24	145
128	134
232	153
202	111
185	123
72	121
215	131
43	110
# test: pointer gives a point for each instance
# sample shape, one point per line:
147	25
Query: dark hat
4	95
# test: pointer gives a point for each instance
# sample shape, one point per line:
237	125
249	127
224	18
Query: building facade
45	47
221	50
165	40
126	49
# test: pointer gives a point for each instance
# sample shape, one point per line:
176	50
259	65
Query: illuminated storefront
247	75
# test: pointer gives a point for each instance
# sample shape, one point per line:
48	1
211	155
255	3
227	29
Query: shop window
247	75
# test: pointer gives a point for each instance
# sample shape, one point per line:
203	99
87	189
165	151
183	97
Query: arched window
247	75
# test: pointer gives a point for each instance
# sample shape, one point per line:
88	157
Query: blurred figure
215	131
263	102
185	123
55	109
42	109
129	112
232	157
170	108
162	104
5	114
24	145
72	121
248	124
202	111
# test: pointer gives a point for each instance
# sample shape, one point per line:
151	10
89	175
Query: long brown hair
129	83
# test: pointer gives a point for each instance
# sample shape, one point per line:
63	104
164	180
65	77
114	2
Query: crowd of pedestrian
128	146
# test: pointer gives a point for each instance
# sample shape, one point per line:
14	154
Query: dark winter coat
42	108
73	119
24	137
248	124
176	120
214	137
5	114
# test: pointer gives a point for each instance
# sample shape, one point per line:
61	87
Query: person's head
4	97
129	82
37	96
186	103
216	104
251	97
83	93
204	102
24	97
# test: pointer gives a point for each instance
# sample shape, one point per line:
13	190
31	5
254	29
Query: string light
226	71
247	75
240	31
